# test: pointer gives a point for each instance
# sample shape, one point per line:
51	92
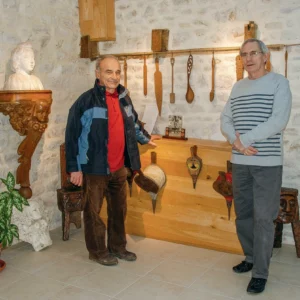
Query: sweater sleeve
278	120
227	127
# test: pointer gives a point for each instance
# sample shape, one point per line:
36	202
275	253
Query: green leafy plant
9	199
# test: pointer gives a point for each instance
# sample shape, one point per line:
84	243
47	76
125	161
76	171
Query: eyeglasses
251	54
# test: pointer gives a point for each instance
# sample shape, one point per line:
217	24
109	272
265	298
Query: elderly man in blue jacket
101	140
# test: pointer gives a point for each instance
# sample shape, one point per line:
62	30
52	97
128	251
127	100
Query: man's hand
237	145
76	178
250	151
154	137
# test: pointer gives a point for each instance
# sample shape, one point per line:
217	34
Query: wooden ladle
189	94
172	94
125	72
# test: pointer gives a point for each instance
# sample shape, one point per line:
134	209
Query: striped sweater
259	110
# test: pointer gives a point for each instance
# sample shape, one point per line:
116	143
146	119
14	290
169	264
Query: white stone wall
208	23
52	26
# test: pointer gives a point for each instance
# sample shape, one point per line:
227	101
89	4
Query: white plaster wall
208	23
52	26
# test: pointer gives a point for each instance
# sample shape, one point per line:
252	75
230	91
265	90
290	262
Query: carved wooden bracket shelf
28	113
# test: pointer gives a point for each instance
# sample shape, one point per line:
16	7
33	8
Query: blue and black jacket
87	132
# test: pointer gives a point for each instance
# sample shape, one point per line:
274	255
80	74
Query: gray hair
100	59
17	53
262	46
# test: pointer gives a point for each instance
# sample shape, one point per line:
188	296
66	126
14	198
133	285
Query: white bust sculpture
22	63
33	227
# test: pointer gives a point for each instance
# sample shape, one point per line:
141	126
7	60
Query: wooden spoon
145	76
286	59
172	94
125	72
189	94
212	92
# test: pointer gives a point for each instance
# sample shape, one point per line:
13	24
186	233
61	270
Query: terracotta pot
2	262
2	265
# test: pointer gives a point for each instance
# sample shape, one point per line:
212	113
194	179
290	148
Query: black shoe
126	255
256	285
107	260
243	267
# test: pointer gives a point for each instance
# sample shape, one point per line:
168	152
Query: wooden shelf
141	55
28	114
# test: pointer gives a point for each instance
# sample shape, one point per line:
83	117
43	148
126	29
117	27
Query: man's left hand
154	137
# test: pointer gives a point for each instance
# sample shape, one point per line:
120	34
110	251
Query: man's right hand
238	146
76	178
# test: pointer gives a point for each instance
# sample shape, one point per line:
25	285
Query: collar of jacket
100	90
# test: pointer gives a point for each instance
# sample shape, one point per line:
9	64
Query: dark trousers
256	192
113	187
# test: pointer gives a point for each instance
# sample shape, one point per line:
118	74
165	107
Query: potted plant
9	199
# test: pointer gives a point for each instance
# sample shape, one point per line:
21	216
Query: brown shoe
126	255
107	260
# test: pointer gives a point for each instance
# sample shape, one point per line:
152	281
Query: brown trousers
113	187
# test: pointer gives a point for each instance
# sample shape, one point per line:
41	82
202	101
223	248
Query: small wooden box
88	48
160	40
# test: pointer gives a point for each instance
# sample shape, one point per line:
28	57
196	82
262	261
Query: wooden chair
69	199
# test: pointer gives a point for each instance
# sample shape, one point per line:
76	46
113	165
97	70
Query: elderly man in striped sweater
253	121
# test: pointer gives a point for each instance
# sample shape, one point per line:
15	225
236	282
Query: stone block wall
201	24
53	28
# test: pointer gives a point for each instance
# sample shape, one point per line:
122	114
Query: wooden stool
69	199
291	193
70	203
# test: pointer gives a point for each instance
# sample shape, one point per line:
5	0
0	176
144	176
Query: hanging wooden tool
286	59
151	180
158	85
212	92
223	186
268	64
172	94
239	68
145	76
125	72
194	164
189	94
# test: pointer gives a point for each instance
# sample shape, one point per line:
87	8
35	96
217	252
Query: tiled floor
163	271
